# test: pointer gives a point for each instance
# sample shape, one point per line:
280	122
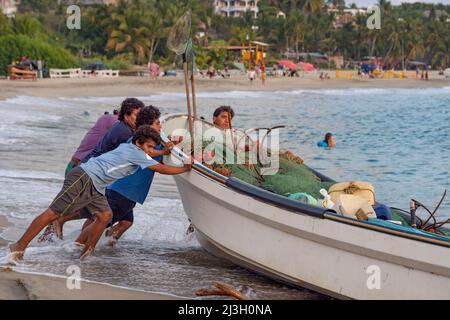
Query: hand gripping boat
309	246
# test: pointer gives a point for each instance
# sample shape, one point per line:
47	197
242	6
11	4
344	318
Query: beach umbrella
288	64
308	67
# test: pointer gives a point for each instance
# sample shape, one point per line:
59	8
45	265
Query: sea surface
397	139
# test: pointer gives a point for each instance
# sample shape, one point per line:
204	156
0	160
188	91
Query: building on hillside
343	16
236	8
343	19
437	14
8	7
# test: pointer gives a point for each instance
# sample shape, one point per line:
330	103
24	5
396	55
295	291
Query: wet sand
26	286
141	86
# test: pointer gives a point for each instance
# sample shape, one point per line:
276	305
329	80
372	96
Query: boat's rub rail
276	199
318	212
413	234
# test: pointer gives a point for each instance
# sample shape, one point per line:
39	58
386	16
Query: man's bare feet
86	253
16	252
58	227
111	237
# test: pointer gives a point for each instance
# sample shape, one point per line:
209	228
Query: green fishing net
292	175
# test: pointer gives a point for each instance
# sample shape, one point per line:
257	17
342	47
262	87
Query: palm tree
129	33
313	6
5	25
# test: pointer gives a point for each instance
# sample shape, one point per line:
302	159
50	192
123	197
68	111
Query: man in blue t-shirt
125	193
85	187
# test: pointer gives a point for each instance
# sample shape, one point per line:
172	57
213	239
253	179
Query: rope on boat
426	225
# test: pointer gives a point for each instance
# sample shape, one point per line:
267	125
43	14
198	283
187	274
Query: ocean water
397	139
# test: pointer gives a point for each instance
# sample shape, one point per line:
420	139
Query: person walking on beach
263	74
85	187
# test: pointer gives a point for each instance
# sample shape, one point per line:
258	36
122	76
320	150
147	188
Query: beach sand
141	86
26	286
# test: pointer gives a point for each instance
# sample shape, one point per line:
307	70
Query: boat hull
329	257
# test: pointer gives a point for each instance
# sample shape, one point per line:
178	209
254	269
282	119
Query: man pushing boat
85	187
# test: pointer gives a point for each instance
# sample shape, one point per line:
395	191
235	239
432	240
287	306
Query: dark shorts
122	208
79	192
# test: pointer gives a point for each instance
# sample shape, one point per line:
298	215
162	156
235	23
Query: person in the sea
91	139
85	187
123	195
328	142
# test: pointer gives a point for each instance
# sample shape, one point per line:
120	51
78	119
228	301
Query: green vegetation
136	31
14	46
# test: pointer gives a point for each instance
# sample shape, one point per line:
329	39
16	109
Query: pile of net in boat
292	176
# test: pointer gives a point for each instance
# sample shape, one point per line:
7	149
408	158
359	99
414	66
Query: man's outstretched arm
170	170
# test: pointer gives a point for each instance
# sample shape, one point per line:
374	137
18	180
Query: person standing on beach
263	74
91	139
85	187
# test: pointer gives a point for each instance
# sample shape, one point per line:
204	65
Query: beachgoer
222	118
251	75
121	131
85	186
91	139
263	74
328	142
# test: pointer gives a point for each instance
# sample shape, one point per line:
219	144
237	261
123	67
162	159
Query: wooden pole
194	99
188	99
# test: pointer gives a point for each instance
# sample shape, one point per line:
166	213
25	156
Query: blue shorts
122	208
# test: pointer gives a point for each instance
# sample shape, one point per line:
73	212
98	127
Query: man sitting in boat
222	118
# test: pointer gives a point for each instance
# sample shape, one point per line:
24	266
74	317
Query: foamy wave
29	174
38	102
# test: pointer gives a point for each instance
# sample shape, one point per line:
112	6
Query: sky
365	3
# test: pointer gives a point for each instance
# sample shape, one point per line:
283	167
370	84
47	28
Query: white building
8	7
236	8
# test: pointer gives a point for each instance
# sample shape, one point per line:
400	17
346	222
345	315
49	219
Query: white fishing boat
306	245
